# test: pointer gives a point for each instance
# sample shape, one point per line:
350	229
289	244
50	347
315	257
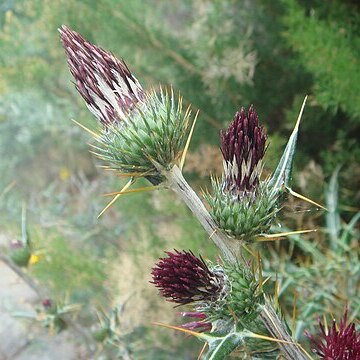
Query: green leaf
219	347
24	314
349	228
282	174
332	218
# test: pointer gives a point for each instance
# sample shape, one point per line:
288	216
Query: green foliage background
220	55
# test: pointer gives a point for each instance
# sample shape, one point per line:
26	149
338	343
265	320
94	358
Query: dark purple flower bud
16	244
47	303
243	147
183	278
105	82
199	325
340	342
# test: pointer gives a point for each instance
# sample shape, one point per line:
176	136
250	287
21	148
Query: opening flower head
243	148
340	341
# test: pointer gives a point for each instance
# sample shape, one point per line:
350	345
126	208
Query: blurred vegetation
220	55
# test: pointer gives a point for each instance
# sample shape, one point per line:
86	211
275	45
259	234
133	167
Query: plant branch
277	329
176	182
230	248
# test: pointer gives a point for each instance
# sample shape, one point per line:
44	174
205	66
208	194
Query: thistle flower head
241	204
243	147
339	342
105	82
144	131
184	278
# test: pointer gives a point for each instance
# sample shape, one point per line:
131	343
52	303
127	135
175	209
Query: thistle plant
147	134
109	333
52	315
22	251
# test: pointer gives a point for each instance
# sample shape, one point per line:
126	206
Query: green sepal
155	132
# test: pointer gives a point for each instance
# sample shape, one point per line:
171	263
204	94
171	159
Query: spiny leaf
332	218
203	336
142	189
220	347
282	174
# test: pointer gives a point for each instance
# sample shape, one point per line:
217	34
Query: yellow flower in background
64	174
35	258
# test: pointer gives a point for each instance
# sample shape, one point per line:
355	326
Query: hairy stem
230	248
176	182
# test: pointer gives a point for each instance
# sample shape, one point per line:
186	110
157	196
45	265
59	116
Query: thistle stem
230	248
176	182
275	326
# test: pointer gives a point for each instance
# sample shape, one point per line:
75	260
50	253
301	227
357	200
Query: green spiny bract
240	304
243	218
255	348
239	299
244	294
153	134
